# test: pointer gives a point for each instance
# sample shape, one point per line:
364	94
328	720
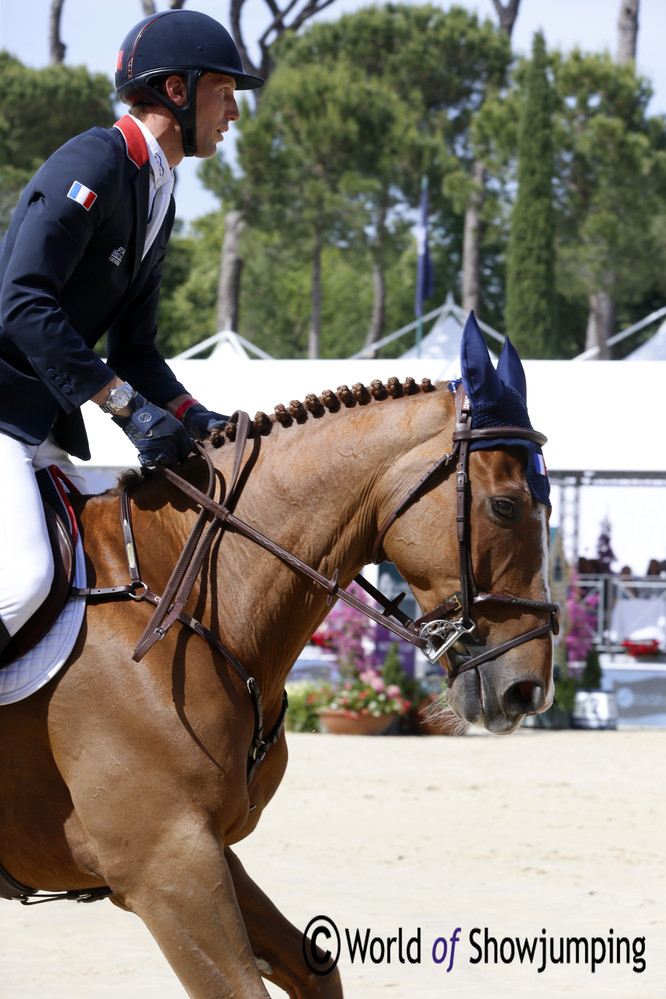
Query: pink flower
393	690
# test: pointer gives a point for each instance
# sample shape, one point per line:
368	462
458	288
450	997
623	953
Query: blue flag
424	273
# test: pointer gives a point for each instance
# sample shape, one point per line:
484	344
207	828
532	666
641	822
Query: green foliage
188	299
393	674
530	272
330	167
592	672
40	109
566	687
302	714
359	108
611	179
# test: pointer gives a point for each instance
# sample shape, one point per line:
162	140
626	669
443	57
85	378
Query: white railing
629	608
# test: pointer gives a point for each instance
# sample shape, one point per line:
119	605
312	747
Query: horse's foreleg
188	903
277	944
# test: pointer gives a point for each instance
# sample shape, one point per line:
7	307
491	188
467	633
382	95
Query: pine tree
530	308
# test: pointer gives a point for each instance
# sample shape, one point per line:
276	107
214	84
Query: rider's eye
503	508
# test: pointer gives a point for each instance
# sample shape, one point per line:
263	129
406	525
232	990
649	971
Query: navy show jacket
71	272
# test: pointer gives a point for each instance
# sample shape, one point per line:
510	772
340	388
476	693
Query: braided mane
332	402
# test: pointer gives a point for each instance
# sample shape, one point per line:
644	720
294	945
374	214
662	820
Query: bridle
438	630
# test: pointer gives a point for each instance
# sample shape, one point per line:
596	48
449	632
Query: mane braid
316	406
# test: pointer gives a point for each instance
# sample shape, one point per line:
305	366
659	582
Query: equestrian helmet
184	42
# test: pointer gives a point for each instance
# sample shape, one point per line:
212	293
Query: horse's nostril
526	690
524	698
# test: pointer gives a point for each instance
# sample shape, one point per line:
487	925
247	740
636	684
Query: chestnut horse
133	775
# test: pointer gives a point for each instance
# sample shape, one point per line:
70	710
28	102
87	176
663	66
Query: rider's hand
199	421
157	435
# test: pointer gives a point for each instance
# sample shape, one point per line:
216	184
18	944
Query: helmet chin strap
187	116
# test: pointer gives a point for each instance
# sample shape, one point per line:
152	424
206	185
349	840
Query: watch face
120	397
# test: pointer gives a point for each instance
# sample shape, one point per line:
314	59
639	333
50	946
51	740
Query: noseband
436	628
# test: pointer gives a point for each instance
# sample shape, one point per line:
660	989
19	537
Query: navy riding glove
199	421
157	435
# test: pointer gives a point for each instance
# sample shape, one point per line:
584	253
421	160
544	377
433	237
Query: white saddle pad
26	675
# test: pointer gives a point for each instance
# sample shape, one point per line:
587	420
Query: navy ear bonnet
498	398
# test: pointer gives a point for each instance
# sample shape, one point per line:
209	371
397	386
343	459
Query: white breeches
26	562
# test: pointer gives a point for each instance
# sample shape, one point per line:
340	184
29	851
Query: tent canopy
602	417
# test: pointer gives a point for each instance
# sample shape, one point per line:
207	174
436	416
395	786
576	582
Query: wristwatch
118	398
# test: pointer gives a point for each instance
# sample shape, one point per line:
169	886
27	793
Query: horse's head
485	587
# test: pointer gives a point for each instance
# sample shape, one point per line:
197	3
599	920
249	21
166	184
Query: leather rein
433	633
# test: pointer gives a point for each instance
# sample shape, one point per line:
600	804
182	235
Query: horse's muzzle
498	699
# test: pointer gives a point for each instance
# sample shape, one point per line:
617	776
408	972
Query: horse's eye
503	508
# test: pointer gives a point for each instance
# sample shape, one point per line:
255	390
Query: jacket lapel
137	154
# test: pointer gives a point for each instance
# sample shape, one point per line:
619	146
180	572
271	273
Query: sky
93	31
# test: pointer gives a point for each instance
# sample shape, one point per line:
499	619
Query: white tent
445	334
653	349
603	417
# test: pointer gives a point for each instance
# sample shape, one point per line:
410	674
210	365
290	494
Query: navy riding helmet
185	42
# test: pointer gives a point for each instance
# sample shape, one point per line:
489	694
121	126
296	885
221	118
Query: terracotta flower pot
336	721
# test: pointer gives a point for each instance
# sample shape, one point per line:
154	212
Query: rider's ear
480	380
175	88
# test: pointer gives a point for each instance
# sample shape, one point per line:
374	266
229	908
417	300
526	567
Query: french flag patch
82	194
540	464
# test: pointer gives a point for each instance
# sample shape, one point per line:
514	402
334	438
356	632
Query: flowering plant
362	689
582	610
649	647
366	693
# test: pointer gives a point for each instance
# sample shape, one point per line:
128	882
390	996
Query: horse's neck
319	491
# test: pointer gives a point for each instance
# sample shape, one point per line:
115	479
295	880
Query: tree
506	14
530	306
627	31
187	305
610	168
40	110
57	48
280	23
299	153
601	319
472	258
427	131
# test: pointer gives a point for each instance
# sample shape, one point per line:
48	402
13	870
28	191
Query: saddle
61	525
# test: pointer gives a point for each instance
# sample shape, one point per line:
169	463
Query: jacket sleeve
49	243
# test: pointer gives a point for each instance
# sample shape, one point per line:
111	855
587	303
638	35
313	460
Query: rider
82	258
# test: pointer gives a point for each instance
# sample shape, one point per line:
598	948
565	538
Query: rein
434	633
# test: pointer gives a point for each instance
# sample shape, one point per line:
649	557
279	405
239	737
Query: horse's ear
479	378
510	369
